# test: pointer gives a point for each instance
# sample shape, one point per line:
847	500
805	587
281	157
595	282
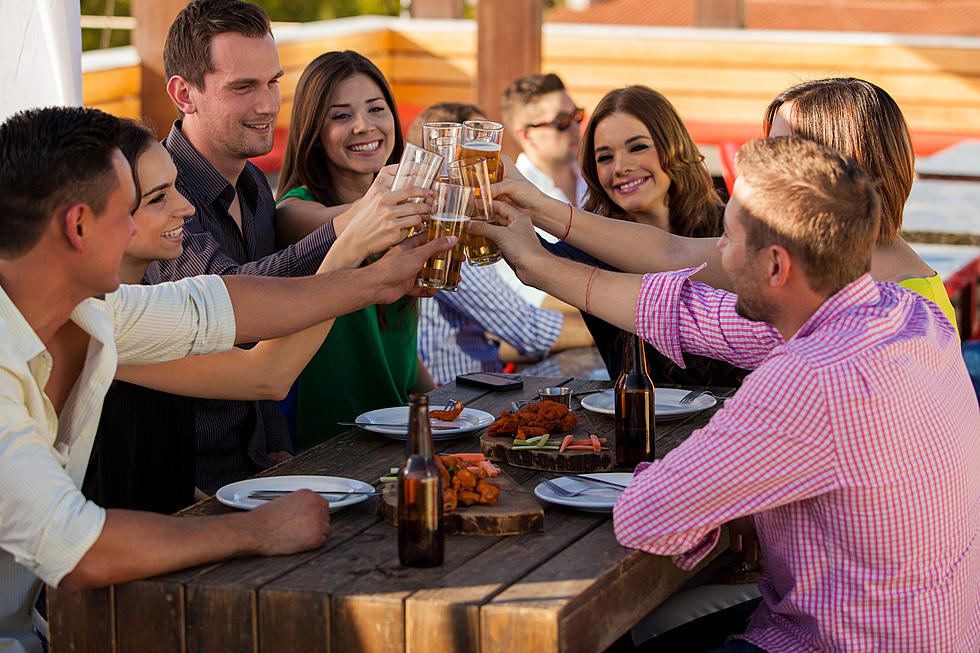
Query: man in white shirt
66	198
545	121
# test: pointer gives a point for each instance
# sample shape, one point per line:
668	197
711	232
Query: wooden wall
714	77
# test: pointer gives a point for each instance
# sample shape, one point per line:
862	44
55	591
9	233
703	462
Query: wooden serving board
515	512
502	448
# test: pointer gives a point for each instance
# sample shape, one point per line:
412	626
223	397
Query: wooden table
571	587
959	162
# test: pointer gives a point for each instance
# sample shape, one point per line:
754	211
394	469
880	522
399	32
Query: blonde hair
817	203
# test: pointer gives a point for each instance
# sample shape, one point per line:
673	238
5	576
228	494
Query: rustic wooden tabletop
571	587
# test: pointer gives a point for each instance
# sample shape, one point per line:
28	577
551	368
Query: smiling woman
344	128
641	165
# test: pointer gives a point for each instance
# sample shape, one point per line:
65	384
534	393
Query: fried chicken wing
447	415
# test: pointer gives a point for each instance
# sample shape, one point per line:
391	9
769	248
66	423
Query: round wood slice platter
502	448
515	512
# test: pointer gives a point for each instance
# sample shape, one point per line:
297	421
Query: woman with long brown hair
344	129
852	115
641	165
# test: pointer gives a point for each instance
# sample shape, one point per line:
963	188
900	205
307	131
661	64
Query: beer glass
472	172
450	217
418	167
443	139
482	138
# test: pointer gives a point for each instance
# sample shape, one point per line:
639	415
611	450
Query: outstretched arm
136	544
629	246
267	370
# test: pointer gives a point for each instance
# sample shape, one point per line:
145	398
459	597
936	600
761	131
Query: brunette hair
442	112
51	158
861	121
692	201
525	90
305	161
134	138
187	50
814	201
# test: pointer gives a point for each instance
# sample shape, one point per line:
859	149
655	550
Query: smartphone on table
488	381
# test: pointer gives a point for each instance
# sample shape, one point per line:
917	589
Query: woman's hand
382	218
515	236
516	190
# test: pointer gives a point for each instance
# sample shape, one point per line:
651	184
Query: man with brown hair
223	74
851	448
545	121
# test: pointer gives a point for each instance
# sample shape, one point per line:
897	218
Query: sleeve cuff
78	535
690	559
658	311
219	326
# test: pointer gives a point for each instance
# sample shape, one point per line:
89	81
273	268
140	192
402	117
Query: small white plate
468	421
236	494
599	498
666	403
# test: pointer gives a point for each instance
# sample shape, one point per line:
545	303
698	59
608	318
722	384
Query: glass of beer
443	139
418	167
483	138
471	171
451	213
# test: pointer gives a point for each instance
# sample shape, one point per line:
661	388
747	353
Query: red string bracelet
588	286
569	229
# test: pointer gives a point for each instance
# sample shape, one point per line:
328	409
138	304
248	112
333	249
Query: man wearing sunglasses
545	121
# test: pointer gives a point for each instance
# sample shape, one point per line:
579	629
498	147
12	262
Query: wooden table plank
447	618
563	605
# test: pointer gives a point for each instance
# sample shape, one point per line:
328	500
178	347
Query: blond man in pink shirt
853	448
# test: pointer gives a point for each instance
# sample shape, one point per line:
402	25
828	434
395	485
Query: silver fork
562	492
689	398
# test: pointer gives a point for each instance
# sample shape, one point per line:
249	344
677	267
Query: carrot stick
471	458
579	447
565	442
589	441
595	442
491	469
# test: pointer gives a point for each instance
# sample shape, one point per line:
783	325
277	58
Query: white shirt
46	525
547	186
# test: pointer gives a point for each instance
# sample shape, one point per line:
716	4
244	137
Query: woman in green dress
344	129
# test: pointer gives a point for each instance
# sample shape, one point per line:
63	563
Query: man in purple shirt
852	449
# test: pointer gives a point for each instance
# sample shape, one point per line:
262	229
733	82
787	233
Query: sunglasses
562	121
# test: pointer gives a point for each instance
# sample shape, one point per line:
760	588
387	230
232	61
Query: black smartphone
490	381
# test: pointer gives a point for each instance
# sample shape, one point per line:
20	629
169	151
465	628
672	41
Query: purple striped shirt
854	446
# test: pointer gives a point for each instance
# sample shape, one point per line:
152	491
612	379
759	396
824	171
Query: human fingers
411	192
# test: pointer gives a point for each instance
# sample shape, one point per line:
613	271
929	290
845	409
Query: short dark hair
187	50
816	202
51	158
525	90
442	112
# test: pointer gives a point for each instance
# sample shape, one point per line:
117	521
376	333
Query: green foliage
305	10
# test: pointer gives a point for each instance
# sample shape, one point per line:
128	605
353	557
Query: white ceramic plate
236	494
599	498
468	421
666	403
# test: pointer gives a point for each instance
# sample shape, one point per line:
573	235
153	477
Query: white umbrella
40	54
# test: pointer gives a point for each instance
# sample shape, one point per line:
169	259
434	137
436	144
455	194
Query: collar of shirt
546	184
74	433
861	291
195	170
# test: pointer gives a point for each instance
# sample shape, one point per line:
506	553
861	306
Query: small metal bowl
561	395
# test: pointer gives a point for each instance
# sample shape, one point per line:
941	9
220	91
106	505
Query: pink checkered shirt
854	446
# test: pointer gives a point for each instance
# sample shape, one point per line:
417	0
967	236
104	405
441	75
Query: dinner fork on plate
566	493
689	398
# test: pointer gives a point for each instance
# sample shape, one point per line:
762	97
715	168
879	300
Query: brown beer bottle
634	407
420	535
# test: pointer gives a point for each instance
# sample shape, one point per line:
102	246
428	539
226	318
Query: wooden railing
720	80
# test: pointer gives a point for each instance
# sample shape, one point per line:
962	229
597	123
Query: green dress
359	367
